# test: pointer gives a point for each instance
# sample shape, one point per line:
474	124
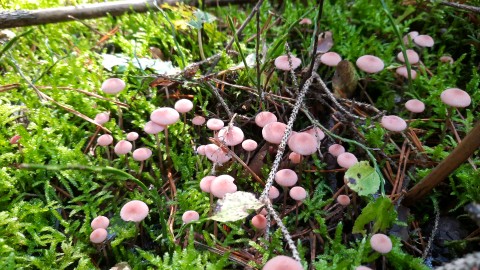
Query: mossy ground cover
51	73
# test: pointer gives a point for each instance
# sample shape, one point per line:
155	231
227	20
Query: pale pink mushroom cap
135	211
259	222
216	154
273	132
370	64
231	136
105	139
123	147
141	154
215	124
298	193
402	71
282	263
330	59
264	118
343	200
317	132
201	150
198	120
190	216
424	41
132	136
415	106
206	182
286	177
222	185
336	149
393	123
183	105
295	158
305	21
303	143
153	128
164	116
249	145
100	222
281	62
361	267
456	97
412	35
16	138
381	243
346	160
113	86
102	118
273	193
412	56
446	59
98	235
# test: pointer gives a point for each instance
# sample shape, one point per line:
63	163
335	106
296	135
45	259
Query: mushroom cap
153	128
206	182
381	243
164	116
183	105
346	160
132	136
198	120
305	21
325	42
113	86
273	193
330	59
424	41
105	139
410	35
259	222
456	97
295	158
98	235
317	132
134	210
142	154
123	147
273	132
264	118
16	138
412	56
231	136
102	118
222	185
303	143
190	216
286	177
100	222
216	154
415	106
370	64
336	149
343	200
298	193
249	145
201	150
446	59
282	63
215	124
402	71
282	263
393	123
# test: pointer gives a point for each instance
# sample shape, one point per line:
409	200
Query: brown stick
17	18
459	155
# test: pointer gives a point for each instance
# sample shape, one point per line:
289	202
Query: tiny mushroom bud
282	62
393	123
446	59
286	178
305	21
295	158
190	216
456	97
343	200
104	140
259	222
273	132
102	118
206	182
215	124
153	128
164	116
336	149
135	211
100	222
222	185
424	41
132	136
415	106
346	160
98	235
198	120
412	56
381	243
303	143
403	71
249	145
298	193
264	118
141	154
113	86
231	136
183	105
330	59
370	64
16	138
123	147
282	263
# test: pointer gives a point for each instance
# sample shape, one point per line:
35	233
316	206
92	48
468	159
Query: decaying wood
17	18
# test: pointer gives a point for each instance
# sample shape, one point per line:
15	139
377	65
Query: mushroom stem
90	142
444	131
167	148
160	163
248	158
120	115
141	168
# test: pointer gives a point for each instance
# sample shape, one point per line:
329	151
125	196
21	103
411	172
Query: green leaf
380	212
362	178
235	206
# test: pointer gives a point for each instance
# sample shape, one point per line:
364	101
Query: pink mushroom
132	136
303	143
216	154
153	128
113	86
346	160
298	193
336	149
282	263
264	118
134	210
98	235
123	147
424	41
410	36
330	59
381	243
456	97
105	139
164	116
282	62
206	182
259	222
412	56
273	193
190	216
286	178
403	71
100	222
370	64
343	200
231	136
222	185
198	120
215	124
102	118
142	154
183	105
393	123
415	106
273	132
295	158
